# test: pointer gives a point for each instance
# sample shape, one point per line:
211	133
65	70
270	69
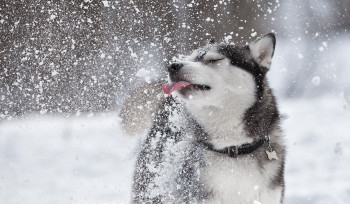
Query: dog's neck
224	125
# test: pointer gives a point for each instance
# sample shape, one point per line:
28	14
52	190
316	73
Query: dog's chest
232	180
223	129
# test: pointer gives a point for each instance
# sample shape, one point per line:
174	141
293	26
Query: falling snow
316	80
300	56
81	58
105	3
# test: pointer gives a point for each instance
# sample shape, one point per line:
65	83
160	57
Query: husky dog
216	137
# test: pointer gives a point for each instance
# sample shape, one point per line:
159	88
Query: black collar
234	151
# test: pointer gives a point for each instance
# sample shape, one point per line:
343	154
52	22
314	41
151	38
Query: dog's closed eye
212	61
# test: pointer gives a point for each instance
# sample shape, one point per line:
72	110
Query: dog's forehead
200	53
214	51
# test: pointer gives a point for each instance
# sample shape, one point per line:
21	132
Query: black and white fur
230	104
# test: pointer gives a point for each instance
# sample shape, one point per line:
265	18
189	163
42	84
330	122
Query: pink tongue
168	88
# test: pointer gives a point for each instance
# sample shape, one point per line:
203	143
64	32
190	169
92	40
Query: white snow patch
136	9
54	73
73	44
132	53
269	10
105	3
316	80
52	17
143	73
43	111
253	34
300	56
228	38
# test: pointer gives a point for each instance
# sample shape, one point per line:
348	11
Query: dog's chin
193	90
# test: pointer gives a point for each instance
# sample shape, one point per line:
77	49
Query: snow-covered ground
65	160
88	160
318	136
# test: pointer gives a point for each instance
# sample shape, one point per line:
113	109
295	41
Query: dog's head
220	73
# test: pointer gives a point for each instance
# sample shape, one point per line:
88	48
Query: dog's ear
262	49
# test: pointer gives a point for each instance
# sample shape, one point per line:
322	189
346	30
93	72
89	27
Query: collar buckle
268	145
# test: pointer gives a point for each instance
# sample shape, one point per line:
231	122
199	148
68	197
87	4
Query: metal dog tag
272	155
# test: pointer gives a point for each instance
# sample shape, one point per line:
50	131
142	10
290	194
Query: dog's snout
174	68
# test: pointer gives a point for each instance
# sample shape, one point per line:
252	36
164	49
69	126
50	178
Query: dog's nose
174	68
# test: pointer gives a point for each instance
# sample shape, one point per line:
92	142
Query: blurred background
82	58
